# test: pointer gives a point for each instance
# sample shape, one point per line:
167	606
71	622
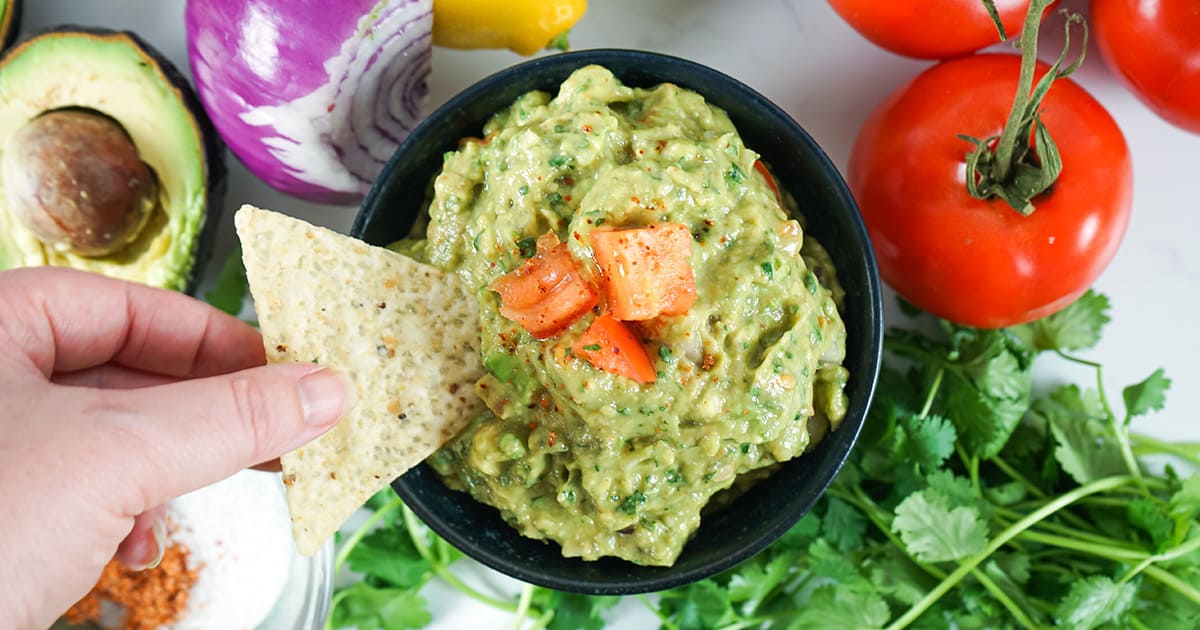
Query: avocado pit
74	179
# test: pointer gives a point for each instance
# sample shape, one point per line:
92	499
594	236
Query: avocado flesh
121	77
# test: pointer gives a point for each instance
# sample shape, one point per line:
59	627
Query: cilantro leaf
701	605
956	490
987	388
389	554
229	294
930	440
1146	396
1085	447
832	565
1152	520
803	533
1171	610
1094	601
527	246
933	532
1015	565
896	576
1185	502
1086	452
843	525
751	586
368	607
1076	327
839	606
573	611
983	424
1006	493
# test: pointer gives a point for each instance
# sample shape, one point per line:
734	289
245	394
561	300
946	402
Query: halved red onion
312	96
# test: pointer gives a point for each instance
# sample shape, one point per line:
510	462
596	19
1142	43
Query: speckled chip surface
405	333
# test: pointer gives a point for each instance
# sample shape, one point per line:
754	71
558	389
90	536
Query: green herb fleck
734	176
632	502
527	246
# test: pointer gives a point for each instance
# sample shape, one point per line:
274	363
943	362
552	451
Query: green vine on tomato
938	201
1005	166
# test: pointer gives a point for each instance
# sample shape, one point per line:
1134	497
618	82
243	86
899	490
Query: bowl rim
648	579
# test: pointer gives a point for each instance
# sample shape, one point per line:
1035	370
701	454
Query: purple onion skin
248	54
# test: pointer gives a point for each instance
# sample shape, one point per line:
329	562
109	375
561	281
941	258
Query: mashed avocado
601	464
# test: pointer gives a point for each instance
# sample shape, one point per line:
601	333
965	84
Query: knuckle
252	404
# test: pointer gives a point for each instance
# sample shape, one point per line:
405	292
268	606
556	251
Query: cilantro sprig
968	502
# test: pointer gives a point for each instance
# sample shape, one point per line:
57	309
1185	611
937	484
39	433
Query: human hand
116	398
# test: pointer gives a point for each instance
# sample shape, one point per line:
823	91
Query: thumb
193	433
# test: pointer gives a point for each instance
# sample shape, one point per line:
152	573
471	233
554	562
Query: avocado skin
8	32
214	148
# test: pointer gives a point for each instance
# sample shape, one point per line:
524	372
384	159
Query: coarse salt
237	533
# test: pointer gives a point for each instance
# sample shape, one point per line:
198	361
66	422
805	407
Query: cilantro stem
543	621
971	463
1001	539
1013	608
933	390
1137	623
1168	579
1017	477
362	531
333	604
1120	430
1110	552
523	606
1077	568
1082	536
1146	445
666	622
1166	556
878	516
414	526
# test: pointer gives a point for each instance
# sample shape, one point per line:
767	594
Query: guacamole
600	463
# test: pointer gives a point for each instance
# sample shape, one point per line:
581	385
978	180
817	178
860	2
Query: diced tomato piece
646	270
547	292
762	170
609	345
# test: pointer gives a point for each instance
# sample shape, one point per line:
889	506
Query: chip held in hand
405	333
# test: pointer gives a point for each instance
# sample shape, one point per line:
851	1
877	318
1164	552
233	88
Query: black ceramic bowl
772	506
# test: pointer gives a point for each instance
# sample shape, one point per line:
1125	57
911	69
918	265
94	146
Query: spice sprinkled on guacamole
687	332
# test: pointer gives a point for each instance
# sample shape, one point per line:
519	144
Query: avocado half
119	76
10	21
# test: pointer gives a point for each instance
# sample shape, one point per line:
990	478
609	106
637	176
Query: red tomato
546	293
1154	45
930	29
980	262
611	346
766	174
646	271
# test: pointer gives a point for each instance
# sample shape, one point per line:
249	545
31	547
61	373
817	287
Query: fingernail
324	396
159	530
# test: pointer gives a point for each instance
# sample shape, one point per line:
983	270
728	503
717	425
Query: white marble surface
802	56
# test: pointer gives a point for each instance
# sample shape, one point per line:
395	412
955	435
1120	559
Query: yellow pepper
523	26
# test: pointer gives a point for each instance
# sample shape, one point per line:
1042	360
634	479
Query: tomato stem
1004	166
994	13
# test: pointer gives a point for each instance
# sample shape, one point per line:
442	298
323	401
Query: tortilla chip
405	333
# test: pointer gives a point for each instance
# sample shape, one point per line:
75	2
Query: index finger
65	320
